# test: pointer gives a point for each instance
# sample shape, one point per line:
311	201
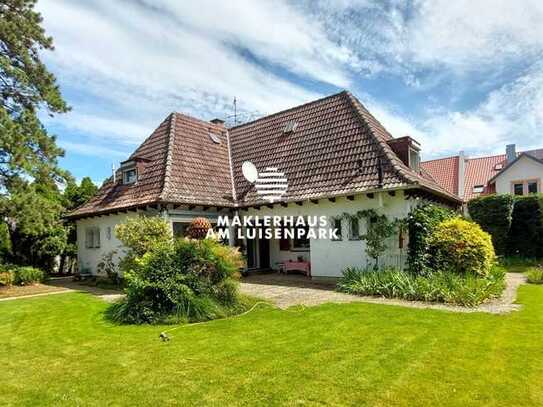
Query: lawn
59	350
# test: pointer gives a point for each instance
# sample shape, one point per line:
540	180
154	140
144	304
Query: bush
526	233
421	222
108	268
468	289
6	278
183	280
494	214
27	275
535	275
461	246
139	234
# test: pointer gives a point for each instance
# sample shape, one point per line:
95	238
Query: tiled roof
184	166
479	171
536	153
444	171
334	150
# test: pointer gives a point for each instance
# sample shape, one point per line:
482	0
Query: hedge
421	222
526	234
493	213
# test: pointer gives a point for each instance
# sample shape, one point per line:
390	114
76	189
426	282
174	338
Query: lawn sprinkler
164	337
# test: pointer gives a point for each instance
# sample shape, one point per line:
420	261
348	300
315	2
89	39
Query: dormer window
130	176
414	159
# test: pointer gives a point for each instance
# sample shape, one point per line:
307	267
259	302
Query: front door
264	253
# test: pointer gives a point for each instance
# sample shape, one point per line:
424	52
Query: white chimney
461	174
510	152
113	171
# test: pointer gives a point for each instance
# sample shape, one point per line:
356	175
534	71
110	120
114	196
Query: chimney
461	174
113	172
218	122
510	152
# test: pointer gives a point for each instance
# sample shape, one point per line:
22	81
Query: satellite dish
249	171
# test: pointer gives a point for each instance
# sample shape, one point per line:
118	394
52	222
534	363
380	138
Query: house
335	156
509	173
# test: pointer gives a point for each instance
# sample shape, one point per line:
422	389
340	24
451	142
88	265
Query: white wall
328	258
523	169
88	258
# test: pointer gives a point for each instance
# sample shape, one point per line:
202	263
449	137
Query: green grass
59	350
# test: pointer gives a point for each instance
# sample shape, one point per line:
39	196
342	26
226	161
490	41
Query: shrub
467	289
494	214
421	222
182	280
27	275
526	233
6	278
139	234
461	246
5	241
535	275
108	267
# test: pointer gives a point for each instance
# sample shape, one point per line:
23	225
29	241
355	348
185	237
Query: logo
270	184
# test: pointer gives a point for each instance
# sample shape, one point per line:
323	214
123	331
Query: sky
454	75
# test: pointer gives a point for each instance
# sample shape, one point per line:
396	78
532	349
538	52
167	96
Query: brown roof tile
334	150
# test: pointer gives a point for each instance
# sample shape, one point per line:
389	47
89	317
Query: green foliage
20	275
26	87
535	275
107	267
181	280
77	195
28	275
517	264
142	233
6	278
461	247
468	289
421	222
494	214
379	229
5	242
526	233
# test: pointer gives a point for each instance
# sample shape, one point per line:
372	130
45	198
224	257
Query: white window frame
352	234
127	180
92	237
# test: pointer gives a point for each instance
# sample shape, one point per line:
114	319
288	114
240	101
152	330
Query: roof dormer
408	150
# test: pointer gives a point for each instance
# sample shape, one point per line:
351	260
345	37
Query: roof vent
290	127
498	166
214	138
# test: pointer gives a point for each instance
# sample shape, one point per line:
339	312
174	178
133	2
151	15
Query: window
92	238
498	167
300	240
130	176
525	187
532	187
355	229
179	229
477	189
337	225
414	159
108	233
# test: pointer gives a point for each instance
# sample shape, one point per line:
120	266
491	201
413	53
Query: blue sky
455	75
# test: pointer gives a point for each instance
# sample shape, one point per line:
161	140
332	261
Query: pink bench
303	266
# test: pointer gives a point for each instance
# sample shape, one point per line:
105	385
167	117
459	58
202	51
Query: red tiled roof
444	171
479	171
335	150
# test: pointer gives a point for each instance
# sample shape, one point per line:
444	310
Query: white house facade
334	158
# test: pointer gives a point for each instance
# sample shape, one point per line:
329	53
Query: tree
78	195
26	149
30	201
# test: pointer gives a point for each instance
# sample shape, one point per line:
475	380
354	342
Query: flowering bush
461	246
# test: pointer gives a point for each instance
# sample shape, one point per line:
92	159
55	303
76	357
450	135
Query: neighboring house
336	157
510	173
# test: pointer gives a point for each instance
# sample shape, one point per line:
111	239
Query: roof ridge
289	109
168	166
440	159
